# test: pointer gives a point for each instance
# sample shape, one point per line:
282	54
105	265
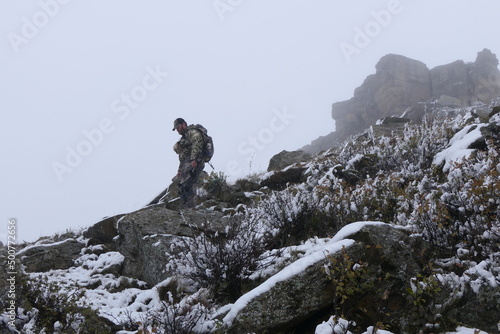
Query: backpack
208	143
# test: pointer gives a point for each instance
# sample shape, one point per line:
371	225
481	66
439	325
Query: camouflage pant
188	176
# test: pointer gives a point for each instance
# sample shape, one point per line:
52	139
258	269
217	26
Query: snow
356	158
479	275
464	330
333	326
458	146
340	326
38	244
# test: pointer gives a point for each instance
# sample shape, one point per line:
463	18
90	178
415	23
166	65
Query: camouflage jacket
190	146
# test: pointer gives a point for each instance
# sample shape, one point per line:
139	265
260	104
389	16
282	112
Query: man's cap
177	122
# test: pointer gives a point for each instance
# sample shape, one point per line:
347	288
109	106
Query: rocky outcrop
460	84
401	84
398	84
484	78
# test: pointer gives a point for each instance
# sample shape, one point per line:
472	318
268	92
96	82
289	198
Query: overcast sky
90	89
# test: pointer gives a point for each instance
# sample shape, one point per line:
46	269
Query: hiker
190	149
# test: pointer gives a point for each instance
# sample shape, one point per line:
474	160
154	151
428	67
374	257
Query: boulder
281	179
58	255
145	237
287	158
103	232
392	257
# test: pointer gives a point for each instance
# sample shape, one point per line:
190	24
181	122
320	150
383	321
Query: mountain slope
250	250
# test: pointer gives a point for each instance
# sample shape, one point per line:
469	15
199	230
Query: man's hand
177	148
194	164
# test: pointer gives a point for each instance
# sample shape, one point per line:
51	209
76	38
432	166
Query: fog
89	90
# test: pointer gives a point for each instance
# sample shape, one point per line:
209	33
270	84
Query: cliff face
400	84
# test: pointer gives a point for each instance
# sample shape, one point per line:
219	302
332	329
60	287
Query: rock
451	81
103	232
279	180
484	78
460	84
392	256
391	259
323	143
482	309
449	101
399	83
59	255
145	237
390	126
246	184
491	132
494	111
287	158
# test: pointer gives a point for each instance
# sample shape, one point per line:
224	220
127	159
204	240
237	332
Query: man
191	163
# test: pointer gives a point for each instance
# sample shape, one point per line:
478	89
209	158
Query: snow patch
458	146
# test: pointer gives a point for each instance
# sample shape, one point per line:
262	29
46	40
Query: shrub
350	278
292	216
176	316
216	184
57	308
222	261
464	210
